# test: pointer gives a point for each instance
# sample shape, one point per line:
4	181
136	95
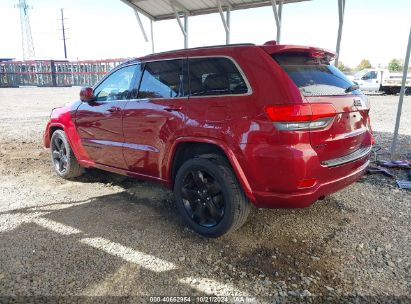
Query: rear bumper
276	174
305	198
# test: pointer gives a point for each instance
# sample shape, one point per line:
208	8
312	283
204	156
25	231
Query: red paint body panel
141	138
62	118
99	126
149	128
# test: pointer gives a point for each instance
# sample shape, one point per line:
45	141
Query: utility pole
64	33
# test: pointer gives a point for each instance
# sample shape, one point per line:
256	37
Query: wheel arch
197	146
50	129
54	128
73	139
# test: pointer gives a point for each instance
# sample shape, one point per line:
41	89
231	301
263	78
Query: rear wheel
64	161
209	197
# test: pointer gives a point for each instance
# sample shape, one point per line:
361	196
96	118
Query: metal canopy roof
165	9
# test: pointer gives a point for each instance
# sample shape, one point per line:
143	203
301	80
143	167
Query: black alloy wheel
209	197
59	155
64	161
203	198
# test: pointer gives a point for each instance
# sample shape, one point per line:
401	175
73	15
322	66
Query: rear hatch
322	85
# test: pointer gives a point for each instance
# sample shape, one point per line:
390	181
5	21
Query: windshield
314	77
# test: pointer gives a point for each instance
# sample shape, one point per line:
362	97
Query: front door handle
113	109
171	108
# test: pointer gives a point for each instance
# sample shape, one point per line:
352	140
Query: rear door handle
113	109
171	108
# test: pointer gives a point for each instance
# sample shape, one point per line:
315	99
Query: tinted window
116	86
215	76
162	79
137	77
314	77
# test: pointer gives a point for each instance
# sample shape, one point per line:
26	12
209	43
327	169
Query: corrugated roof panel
154	7
197	5
163	9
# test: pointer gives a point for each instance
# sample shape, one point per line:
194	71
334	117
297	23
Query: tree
395	65
343	68
364	64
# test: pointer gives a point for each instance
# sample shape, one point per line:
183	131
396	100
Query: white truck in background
380	80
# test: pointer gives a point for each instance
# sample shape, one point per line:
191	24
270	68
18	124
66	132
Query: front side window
215	76
115	86
162	79
136	82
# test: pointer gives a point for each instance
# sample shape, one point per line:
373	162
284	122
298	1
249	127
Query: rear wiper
352	88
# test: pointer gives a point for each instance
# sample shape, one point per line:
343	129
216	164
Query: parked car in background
225	127
380	80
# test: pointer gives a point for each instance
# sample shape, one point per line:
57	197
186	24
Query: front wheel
64	161
209	197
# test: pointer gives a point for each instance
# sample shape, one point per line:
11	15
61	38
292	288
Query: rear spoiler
312	51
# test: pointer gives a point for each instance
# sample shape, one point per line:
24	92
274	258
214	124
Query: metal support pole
341	9
228	20
141	25
185	30
402	93
280	14
152	35
277	17
280	9
225	20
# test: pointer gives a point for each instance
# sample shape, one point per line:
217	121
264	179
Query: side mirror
87	94
365	77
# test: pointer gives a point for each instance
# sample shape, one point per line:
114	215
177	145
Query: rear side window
314	77
162	79
215	76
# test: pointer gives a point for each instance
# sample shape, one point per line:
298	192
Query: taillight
301	116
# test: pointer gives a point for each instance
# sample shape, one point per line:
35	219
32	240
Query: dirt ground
109	235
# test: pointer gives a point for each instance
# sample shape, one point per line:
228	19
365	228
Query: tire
230	206
63	159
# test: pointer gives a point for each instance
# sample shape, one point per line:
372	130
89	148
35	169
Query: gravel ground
109	235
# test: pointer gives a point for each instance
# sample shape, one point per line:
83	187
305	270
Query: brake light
317	54
321	55
301	116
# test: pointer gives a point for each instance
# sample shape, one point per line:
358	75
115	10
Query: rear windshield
314	77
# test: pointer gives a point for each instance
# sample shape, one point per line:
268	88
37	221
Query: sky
373	29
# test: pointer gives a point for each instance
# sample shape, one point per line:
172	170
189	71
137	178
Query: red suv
224	126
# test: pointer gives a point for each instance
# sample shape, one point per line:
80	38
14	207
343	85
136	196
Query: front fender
62	118
47	133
